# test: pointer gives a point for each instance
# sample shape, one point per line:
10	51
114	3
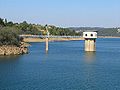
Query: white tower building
90	40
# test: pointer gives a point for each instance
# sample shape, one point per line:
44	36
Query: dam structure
90	40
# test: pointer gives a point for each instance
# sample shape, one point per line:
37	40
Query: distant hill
37	29
101	31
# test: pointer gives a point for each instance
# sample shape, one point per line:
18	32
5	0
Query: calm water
65	67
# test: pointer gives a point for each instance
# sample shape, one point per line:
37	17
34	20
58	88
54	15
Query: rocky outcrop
13	50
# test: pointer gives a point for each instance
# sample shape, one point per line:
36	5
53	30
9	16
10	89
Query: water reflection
8	64
90	70
9	58
90	57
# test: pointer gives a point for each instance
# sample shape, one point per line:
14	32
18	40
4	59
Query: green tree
2	22
10	23
8	36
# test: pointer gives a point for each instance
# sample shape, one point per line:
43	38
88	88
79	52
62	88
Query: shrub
9	37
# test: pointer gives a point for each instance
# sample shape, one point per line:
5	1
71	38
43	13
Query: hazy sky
65	13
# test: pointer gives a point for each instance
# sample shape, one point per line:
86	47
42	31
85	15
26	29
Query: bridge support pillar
47	45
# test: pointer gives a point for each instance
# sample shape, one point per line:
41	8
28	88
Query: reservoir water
66	67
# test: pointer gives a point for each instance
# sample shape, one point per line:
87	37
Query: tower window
91	35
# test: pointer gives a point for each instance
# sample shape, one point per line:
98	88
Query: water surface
65	67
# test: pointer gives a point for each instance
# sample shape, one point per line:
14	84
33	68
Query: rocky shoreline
6	50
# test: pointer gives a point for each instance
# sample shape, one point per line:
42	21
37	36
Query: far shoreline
51	39
61	39
108	37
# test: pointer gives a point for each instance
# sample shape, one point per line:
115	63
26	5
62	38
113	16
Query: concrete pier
90	40
46	48
90	45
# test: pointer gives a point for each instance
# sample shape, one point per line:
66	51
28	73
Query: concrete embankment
6	50
51	39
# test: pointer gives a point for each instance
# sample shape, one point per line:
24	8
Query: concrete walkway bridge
48	36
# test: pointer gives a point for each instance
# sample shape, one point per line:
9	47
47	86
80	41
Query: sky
63	13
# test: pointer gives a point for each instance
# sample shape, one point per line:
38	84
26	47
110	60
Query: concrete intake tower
90	40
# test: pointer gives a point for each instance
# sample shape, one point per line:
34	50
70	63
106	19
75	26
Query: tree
9	23
2	22
5	22
23	26
8	36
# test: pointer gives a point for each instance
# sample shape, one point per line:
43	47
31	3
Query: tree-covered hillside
101	31
35	29
10	31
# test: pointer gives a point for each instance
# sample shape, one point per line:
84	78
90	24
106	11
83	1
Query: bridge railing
44	36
